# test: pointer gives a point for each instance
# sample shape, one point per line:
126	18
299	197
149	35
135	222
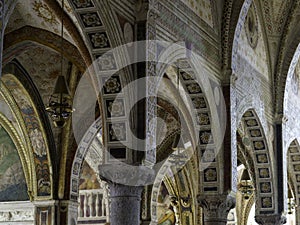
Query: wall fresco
35	133
12	179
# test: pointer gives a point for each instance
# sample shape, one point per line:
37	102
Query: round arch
22	39
293	160
231	24
23	152
288	58
34	133
95	131
264	178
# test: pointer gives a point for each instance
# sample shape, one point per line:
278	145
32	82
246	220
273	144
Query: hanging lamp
60	101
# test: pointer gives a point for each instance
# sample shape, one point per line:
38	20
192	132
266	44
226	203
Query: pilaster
68	212
46	212
281	164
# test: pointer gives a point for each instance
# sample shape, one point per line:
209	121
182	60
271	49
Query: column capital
216	208
280	119
228	77
128	175
274	219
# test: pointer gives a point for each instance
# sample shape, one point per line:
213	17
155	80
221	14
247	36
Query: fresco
35	130
12	180
166	215
88	178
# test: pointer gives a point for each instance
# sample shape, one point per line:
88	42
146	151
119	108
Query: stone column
216	208
274	219
297	215
125	204
281	166
146	204
126	183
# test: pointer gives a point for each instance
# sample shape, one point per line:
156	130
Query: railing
93	206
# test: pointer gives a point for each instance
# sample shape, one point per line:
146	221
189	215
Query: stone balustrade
93	206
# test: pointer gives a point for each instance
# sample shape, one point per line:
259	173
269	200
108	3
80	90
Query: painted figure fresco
166	215
12	180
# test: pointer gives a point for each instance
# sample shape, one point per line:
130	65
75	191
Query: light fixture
291	202
60	107
245	186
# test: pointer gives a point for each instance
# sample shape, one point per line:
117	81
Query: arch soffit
246	156
103	36
293	160
188	62
288	57
262	162
231	16
22	39
240	24
190	70
94	130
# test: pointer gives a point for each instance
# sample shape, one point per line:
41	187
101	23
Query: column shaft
125	204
